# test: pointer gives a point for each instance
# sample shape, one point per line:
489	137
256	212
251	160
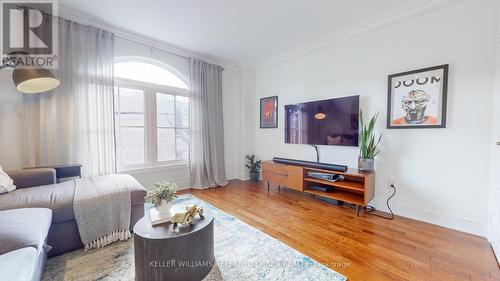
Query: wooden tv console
357	187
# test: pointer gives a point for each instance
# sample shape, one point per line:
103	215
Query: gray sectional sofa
23	237
40	219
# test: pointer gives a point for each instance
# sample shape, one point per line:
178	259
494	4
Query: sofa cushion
21	228
18	265
33	177
6	183
57	197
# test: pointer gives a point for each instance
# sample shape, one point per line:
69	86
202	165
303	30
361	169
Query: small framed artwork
417	99
269	112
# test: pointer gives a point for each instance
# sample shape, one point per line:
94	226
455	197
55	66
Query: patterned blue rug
246	253
241	251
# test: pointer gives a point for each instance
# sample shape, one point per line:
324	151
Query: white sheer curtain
206	125
75	122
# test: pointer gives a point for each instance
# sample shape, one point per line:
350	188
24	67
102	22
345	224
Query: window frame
157	63
117	126
150	123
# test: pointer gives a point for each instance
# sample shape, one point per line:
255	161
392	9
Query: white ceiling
241	31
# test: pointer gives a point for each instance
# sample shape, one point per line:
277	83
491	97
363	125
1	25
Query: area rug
241	251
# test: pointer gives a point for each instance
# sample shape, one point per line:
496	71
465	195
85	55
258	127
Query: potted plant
161	196
253	167
367	144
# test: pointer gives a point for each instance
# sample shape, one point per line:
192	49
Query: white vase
164	208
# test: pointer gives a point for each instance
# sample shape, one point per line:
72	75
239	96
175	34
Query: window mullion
175	126
117	116
154	127
151	127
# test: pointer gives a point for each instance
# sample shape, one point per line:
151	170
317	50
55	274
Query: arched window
148	73
152	114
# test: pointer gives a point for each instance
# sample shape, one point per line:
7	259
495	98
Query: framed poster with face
269	112
417	99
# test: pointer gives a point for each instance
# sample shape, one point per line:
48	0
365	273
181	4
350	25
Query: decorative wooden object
187	217
357	187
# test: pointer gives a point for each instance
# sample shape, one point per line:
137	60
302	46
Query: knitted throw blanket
102	209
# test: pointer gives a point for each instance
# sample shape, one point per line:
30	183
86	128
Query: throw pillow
6	183
334	140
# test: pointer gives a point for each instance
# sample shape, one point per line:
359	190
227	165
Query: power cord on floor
371	209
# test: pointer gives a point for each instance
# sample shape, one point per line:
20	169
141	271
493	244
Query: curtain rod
151	47
161	50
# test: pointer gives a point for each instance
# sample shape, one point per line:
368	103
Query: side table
163	252
65	171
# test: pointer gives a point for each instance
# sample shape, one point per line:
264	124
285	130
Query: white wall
494	218
247	123
441	174
233	131
238	100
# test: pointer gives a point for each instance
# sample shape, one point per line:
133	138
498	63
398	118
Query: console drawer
285	175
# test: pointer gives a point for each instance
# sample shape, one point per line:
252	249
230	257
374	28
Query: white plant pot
161	214
164	209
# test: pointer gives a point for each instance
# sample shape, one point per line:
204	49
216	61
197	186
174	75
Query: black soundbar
324	166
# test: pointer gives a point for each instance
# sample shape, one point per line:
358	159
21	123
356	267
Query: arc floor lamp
30	80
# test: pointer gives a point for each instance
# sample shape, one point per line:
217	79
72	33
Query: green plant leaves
367	143
252	165
161	191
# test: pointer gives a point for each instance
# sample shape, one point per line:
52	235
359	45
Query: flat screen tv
325	122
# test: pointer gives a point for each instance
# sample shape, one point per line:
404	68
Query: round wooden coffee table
163	252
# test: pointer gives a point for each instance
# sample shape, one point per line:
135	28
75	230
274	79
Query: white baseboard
455	223
183	185
496	251
242	177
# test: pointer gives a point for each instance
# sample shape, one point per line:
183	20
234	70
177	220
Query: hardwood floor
364	248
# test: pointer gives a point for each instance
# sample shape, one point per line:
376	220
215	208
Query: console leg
357	210
268	187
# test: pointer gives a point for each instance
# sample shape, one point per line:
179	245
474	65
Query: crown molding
378	21
149	41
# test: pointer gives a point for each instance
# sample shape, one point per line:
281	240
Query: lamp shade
320	114
34	80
